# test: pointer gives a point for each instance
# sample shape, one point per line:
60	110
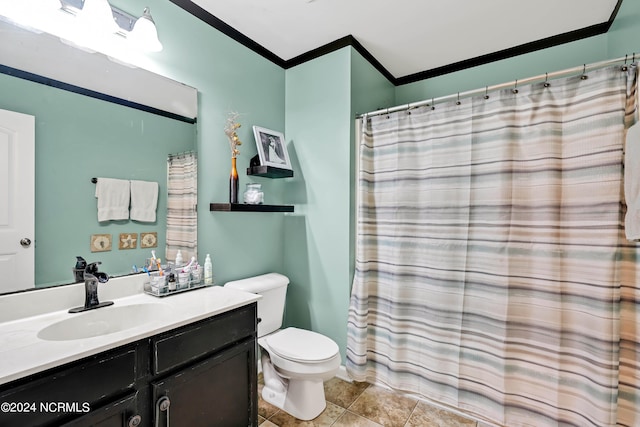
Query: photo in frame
272	149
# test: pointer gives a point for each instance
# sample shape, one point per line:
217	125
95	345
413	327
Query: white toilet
295	362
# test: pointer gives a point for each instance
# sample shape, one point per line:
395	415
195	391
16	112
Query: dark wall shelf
241	207
269	172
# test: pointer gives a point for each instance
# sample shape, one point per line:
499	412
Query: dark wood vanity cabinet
201	374
226	403
220	388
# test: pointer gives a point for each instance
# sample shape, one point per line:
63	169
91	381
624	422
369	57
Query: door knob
26	242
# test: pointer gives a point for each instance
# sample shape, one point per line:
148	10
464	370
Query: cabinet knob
134	421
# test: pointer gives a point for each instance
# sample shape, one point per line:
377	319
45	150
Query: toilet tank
273	289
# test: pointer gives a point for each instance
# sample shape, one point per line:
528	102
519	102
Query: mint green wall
316	256
229	77
321	99
624	35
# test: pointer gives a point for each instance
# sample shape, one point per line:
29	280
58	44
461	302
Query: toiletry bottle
179	261
172	282
208	271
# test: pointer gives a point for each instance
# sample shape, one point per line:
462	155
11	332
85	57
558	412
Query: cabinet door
71	391
219	392
121	413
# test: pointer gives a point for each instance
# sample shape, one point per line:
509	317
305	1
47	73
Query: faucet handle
92	270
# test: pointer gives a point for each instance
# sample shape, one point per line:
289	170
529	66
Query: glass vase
253	194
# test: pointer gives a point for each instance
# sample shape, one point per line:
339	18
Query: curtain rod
487	89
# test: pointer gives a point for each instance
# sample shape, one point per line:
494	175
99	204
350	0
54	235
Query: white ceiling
407	36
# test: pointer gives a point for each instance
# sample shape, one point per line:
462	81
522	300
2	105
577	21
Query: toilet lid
302	345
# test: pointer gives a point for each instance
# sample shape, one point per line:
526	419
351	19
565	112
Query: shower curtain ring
458	100
515	87
433	105
584	72
486	92
546	80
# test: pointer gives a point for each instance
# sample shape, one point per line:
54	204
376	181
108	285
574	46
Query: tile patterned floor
365	405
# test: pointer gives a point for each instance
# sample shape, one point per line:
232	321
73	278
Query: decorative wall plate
149	240
128	241
100	242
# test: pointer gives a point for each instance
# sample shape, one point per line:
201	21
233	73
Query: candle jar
253	195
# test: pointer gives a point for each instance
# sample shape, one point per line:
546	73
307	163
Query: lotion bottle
208	271
179	260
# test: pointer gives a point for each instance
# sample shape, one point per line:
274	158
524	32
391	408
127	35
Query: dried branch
230	129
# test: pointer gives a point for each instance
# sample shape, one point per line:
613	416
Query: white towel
144	201
632	183
113	199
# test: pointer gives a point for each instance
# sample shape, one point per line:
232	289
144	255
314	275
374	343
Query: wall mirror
93	118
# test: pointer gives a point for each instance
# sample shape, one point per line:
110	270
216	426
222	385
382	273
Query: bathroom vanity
196	368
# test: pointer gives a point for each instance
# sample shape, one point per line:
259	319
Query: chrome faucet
91	279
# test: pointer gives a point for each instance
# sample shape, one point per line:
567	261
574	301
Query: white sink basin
104	321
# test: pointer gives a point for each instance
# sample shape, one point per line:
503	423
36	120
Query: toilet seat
302	346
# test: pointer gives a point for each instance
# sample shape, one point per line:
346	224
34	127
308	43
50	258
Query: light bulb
97	15
145	34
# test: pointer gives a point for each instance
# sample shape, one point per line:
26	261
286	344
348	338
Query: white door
17	194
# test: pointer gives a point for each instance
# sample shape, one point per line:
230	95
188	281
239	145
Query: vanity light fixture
49	4
145	34
96	18
93	24
28	14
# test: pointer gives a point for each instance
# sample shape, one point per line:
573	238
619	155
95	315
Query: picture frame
272	148
149	239
128	241
100	242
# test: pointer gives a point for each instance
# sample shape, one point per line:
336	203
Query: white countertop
24	314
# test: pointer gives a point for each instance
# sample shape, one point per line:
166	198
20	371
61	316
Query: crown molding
350	40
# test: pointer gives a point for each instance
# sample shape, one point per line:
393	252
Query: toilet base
293	385
304	398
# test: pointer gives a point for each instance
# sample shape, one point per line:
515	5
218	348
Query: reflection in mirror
78	137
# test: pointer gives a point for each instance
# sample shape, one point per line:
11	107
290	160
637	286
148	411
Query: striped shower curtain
492	272
182	216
